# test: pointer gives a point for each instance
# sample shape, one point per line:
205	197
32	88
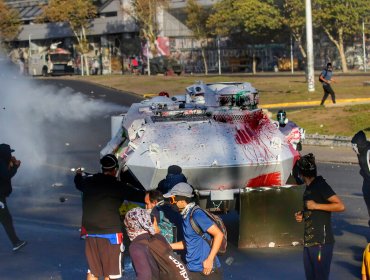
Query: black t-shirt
102	197
317	228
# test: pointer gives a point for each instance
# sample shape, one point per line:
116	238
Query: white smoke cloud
28	108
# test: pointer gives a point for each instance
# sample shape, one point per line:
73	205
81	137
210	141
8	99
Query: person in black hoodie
103	194
319	200
8	168
174	176
362	148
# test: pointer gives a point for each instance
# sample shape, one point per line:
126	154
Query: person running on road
319	201
326	78
8	168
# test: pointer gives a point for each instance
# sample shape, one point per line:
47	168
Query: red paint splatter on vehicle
295	154
265	180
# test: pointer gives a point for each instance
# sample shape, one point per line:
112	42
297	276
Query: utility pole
364	44
147	57
291	54
309	36
219	55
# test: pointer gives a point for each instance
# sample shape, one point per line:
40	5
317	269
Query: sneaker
19	245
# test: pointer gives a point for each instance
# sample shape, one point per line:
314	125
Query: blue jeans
317	260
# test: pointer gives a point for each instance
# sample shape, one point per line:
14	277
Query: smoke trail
28	108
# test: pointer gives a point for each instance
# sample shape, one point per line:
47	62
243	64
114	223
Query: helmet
281	117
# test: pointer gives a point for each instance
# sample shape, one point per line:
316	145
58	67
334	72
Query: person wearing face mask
362	148
201	258
293	133
326	78
167	218
319	200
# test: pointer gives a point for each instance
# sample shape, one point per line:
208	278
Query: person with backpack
139	227
151	255
326	78
169	221
201	257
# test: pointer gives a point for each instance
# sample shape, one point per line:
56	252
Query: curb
327	140
316	103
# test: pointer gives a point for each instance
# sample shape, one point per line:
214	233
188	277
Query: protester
319	201
96	67
293	133
103	194
362	148
201	259
8	168
174	176
365	269
139	227
326	78
168	219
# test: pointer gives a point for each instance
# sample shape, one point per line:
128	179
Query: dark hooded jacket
6	172
364	152
174	176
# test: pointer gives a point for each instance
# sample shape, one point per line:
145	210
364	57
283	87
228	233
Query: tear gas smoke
28	108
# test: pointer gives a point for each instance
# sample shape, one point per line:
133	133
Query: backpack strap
195	226
326	72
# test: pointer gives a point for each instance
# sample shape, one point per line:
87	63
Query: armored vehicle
228	148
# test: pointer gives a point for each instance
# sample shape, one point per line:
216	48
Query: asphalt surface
51	226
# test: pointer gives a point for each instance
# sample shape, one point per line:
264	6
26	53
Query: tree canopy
196	21
9	22
294	18
145	14
340	19
78	14
256	17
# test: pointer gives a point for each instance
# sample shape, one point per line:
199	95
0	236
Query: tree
9	23
255	17
294	18
145	12
78	14
340	19
196	21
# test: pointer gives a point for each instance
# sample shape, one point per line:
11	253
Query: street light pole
291	54
219	55
364	44
310	61
147	57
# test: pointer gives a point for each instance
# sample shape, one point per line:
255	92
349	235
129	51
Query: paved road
51	227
